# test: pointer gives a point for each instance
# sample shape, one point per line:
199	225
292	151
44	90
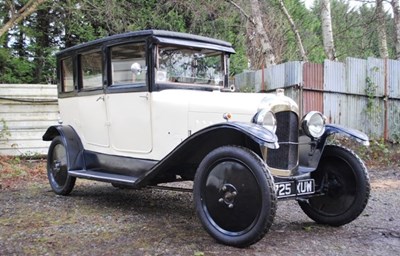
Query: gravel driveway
98	219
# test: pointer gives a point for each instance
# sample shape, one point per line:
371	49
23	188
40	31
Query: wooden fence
26	111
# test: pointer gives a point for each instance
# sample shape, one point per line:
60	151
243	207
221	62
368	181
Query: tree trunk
295	30
42	44
262	34
380	18
260	31
21	14
396	18
327	32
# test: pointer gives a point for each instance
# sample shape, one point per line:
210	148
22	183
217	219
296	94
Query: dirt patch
98	219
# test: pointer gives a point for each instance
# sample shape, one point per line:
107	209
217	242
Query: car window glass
177	64
128	64
91	70
67	75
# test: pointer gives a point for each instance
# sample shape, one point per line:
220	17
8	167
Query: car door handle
145	96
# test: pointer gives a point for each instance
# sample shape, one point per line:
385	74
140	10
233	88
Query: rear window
67	79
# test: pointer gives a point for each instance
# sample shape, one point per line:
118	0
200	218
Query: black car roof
146	33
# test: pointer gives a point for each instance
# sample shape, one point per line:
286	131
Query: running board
103	176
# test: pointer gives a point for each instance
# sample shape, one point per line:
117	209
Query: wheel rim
231	197
339	185
58	166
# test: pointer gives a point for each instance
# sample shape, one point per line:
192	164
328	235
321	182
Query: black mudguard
72	143
188	155
311	151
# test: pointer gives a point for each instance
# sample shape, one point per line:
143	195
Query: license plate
295	188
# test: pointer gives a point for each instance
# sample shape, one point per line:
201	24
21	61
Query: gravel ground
98	219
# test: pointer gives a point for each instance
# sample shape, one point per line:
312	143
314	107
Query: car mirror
136	68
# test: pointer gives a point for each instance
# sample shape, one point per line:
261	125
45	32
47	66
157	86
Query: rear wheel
234	196
57	168
344	181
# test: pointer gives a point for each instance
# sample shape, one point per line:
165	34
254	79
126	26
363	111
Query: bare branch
295	30
248	17
17	17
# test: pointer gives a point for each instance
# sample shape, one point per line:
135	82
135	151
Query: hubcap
58	167
229	193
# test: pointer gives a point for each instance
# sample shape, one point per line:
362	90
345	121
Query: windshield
184	65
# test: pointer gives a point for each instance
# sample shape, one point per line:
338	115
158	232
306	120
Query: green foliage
370	91
378	153
4	132
14	69
27	50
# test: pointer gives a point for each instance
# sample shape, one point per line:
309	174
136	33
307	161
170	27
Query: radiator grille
286	157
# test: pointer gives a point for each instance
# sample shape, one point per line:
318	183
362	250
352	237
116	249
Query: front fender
311	151
264	136
185	158
359	136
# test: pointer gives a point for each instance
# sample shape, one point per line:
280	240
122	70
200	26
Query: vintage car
143	108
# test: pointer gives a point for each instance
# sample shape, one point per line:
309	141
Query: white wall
27	110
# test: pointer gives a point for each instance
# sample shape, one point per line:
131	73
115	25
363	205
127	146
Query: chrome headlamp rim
267	119
313	124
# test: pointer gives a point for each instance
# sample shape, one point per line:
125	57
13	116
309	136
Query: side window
128	64
91	70
67	75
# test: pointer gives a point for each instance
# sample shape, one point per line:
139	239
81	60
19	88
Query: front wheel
344	181
234	196
57	168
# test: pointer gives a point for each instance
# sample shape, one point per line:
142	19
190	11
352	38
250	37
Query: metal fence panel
334	76
293	73
394	78
313	85
356	75
275	77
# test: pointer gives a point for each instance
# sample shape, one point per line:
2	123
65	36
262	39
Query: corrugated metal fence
362	94
26	111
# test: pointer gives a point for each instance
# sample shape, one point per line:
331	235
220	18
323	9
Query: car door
128	100
92	121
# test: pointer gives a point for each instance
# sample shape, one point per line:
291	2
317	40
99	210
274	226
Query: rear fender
311	151
72	143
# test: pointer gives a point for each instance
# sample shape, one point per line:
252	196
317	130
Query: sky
353	3
309	3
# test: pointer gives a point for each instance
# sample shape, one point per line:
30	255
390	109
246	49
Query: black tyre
344	181
57	168
234	196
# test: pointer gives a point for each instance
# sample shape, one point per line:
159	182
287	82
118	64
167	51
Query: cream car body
166	118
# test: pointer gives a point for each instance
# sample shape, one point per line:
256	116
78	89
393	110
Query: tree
17	16
327	32
380	14
396	20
